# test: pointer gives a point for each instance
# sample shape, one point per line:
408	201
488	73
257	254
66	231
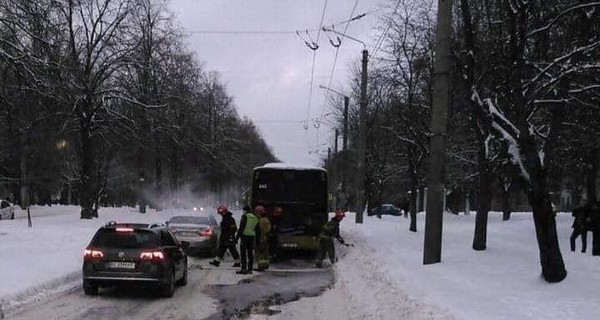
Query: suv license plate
121	265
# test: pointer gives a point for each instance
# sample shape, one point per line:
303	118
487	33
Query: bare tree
96	50
408	67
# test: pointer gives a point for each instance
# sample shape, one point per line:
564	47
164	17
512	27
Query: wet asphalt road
211	293
284	282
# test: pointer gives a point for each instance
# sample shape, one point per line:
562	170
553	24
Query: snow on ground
381	277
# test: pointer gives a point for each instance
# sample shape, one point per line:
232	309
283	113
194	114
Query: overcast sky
267	67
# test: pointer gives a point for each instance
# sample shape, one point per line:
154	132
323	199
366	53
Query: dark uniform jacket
332	230
228	228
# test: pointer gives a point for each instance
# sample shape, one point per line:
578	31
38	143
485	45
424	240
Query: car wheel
168	290
90	289
183	280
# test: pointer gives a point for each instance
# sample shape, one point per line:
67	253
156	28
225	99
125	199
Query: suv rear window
110	238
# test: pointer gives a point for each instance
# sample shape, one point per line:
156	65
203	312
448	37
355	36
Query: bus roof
287	166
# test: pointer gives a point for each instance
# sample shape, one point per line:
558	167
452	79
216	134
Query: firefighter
330	230
247	233
274	235
227	239
262	240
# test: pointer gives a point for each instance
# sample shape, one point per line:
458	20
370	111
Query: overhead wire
283	32
337	50
312	72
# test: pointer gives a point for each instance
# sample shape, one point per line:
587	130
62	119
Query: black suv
142	254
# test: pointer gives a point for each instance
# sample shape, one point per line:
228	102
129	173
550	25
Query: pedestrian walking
262	240
247	234
580	227
227	240
330	230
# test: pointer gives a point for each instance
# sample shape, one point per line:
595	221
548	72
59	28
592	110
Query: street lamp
362	141
345	129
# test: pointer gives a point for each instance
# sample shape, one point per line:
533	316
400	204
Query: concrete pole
432	251
362	141
345	133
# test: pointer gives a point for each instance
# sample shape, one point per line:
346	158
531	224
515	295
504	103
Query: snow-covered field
381	277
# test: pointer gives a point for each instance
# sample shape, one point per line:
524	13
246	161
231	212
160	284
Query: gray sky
269	74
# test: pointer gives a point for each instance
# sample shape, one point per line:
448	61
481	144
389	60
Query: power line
282	32
312	71
337	49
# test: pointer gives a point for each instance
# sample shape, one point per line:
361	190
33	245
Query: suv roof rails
110	223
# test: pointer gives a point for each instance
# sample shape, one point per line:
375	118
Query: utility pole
341	164
362	141
343	167
345	133
335	144
432	251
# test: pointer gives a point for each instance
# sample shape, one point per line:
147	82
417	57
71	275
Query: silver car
7	211
200	230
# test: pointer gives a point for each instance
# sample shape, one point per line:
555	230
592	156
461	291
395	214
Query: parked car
7	210
201	230
133	253
385	209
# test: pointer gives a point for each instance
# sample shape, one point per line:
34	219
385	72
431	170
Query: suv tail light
152	255
91	253
206	232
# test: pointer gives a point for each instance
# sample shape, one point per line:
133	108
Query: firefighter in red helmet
227	239
329	231
262	239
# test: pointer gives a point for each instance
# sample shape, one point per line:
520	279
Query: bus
296	201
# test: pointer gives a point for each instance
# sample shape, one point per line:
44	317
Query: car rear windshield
189	219
110	238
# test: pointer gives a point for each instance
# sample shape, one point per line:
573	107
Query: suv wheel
90	289
183	280
168	290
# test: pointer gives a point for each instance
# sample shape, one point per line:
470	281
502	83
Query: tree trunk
505	199
413	195
591	174
23	166
484	202
553	266
87	160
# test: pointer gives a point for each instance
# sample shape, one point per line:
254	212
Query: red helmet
340	214
259	210
221	209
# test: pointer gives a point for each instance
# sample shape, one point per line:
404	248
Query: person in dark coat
227	239
594	226
580	227
330	230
